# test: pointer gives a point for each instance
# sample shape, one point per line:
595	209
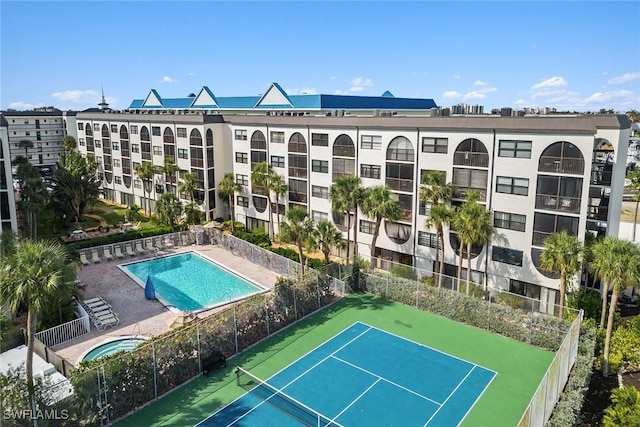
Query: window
321	166
277	161
400	176
98	143
428	239
277	137
81	142
114	128
155	130
135	148
509	221
137	183
115	145
136	165
514	148
370	171
99	160
398	233
134	129
400	149
367	227
510	185
183	153
116	163
371	142
507	256
80	126
240	134
242	179
319	216
96	127
297	191
435	145
320	192
242	158
243	201
320	139
118	180
157	150
181	132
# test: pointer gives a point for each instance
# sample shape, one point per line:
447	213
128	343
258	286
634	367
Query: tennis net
281	401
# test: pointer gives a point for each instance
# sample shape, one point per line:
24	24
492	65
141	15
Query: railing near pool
67	331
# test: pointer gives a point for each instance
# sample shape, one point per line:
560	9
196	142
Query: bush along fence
110	388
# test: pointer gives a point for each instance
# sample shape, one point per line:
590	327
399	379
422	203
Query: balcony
461	193
600	176
558	203
561	165
298	197
468	158
400	184
295	172
538	238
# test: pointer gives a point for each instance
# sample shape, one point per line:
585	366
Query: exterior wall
8	215
45	130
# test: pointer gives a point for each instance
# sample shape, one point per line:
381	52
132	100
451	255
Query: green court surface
519	367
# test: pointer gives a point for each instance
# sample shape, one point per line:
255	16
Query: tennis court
361	376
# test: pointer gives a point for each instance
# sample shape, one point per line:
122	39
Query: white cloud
356	89
474	94
78	96
456	77
616	95
191	73
604	73
167	79
339	92
20	105
333	77
359	81
304	91
547	93
479	83
520	102
625	78
451	94
550	82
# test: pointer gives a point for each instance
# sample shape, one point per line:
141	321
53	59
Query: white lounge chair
95	257
129	250
92	300
101	311
139	249
103	322
107	253
83	258
118	252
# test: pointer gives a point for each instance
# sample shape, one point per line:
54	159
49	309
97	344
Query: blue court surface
363	376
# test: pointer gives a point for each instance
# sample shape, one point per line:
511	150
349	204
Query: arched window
471	152
258	141
562	157
401	149
87	129
209	138
195	138
144	134
343	146
105	132
124	133
167	136
297	143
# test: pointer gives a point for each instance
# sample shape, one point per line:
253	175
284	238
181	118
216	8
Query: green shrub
513	301
116	238
258	239
404	271
588	300
625	408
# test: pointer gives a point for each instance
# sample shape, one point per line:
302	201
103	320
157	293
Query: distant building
8	216
467	109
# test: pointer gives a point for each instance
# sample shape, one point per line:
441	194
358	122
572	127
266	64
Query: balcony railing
295	172
600	177
461	193
538	237
399	184
469	158
561	165
298	197
557	203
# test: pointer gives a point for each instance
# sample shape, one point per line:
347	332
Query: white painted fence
67	331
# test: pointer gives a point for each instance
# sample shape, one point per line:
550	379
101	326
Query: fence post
235	327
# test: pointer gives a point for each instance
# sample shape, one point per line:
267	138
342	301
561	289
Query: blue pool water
125	344
189	282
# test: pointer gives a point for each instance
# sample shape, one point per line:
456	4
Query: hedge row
117	238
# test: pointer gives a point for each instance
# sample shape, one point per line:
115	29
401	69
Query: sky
571	55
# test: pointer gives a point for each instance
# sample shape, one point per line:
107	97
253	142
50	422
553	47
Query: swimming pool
190	282
122	344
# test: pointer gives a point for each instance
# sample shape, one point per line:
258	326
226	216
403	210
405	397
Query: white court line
478	398
388	381
355	400
450	394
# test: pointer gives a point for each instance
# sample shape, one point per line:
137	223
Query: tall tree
279	189
146	172
26	144
346	194
32	194
617	263
378	204
437	193
297	227
634	177
69	143
169	169
189	185
169	209
227	189
324	237
262	176
562	255
38	274
76	182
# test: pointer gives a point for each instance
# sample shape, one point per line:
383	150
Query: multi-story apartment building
8	218
537	175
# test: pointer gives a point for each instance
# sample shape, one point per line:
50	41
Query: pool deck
139	316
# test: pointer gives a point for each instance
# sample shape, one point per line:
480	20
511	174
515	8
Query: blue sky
569	55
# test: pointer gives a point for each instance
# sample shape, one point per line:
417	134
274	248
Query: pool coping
107	341
176	310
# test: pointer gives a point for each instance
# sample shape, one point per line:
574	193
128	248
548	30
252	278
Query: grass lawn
520	367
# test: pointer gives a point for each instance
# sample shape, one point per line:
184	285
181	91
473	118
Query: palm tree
32	193
378	204
478	233
146	172
461	222
438	194
38	274
76	182
68	143
192	212
346	194
169	169
26	144
168	209
617	263
562	255
325	236
297	227
189	185
279	189
227	188
262	176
